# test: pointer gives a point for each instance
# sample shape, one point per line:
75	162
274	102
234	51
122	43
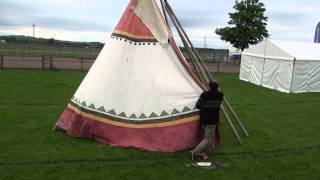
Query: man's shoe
204	156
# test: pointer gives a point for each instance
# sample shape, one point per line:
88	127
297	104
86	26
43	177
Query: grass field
284	142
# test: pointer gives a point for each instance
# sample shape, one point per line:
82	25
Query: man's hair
213	85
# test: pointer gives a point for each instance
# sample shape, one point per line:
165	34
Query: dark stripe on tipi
145	121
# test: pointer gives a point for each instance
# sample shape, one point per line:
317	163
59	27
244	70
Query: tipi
140	92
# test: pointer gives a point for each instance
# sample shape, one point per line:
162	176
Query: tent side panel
269	74
256	70
245	67
306	77
314	77
300	80
284	76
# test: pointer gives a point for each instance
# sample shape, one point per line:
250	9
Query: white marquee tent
286	66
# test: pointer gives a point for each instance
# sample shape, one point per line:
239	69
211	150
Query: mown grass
283	144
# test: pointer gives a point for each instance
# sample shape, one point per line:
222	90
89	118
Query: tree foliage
247	24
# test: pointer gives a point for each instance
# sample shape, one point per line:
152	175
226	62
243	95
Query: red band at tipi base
150	139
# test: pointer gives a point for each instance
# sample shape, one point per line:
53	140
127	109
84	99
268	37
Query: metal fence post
51	63
81	60
42	63
22	53
1	62
218	65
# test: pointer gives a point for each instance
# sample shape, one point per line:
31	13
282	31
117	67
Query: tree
247	24
51	41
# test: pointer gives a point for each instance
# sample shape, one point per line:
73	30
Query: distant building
234	55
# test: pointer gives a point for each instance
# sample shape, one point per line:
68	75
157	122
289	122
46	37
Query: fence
53	57
45	63
82	64
18	49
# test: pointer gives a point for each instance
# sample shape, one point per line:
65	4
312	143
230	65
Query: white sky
94	20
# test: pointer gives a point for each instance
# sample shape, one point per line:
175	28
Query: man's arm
199	102
221	96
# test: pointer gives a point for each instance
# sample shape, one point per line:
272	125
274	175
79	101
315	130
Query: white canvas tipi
140	92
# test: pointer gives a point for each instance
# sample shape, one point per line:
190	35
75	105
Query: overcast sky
94	20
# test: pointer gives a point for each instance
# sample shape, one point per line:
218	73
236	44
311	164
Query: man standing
209	104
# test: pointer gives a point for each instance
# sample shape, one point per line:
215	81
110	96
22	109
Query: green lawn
284	142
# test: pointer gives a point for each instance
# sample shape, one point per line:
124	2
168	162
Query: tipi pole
231	126
184	37
55	127
164	12
242	127
188	40
205	68
244	130
193	57
194	65
194	62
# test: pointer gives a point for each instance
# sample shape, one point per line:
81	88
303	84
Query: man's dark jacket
209	104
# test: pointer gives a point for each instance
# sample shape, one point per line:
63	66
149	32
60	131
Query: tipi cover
140	92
